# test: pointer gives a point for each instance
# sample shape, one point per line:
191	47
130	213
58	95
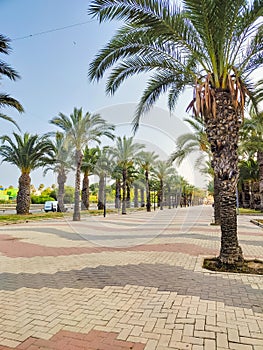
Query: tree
27	152
61	164
146	161
124	153
90	158
80	129
162	171
197	142
211	46
9	72
252	135
102	169
248	177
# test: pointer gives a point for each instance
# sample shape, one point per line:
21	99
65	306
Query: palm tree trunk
124	182
148	195
76	214
216	201
136	197
61	179
101	192
23	197
222	131
260	165
85	192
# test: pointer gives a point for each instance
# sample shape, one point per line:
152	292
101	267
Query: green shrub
41	199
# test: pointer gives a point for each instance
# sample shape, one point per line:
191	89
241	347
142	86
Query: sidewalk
127	282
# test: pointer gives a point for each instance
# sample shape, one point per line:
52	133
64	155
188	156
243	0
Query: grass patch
249	266
15	218
247	211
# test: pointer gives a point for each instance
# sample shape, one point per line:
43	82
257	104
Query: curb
255	222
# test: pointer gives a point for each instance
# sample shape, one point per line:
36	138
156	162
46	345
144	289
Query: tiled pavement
127	282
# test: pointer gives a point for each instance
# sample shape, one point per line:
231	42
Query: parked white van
51	206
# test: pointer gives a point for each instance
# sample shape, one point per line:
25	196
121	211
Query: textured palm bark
23	196
216	201
147	188
222	131
260	165
101	192
124	184
76	214
85	192
61	179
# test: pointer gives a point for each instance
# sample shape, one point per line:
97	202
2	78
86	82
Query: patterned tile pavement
127	282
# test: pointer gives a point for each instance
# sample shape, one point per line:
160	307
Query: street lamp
104	206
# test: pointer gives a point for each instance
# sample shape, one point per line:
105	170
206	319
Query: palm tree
27	152
124	153
62	164
81	129
146	161
212	46
102	168
90	158
248	177
9	72
162	171
252	136
192	143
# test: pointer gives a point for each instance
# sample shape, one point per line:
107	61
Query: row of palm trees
211	46
69	149
126	162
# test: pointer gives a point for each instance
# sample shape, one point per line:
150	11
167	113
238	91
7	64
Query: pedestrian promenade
127	282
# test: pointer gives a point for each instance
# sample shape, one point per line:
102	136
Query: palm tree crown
203	44
27	152
9	72
80	129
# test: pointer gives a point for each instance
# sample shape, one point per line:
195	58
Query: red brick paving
65	340
14	248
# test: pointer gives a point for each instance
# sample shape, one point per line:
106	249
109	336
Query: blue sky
54	66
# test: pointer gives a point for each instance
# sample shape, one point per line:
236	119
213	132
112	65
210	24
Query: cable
51	30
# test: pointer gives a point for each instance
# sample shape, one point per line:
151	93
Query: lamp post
104	206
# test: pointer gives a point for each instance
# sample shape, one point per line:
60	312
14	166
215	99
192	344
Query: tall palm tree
193	143
27	152
162	171
102	168
252	135
90	158
146	161
248	177
61	165
212	46
81	129
9	72
125	152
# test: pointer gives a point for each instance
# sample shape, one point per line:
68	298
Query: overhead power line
52	30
